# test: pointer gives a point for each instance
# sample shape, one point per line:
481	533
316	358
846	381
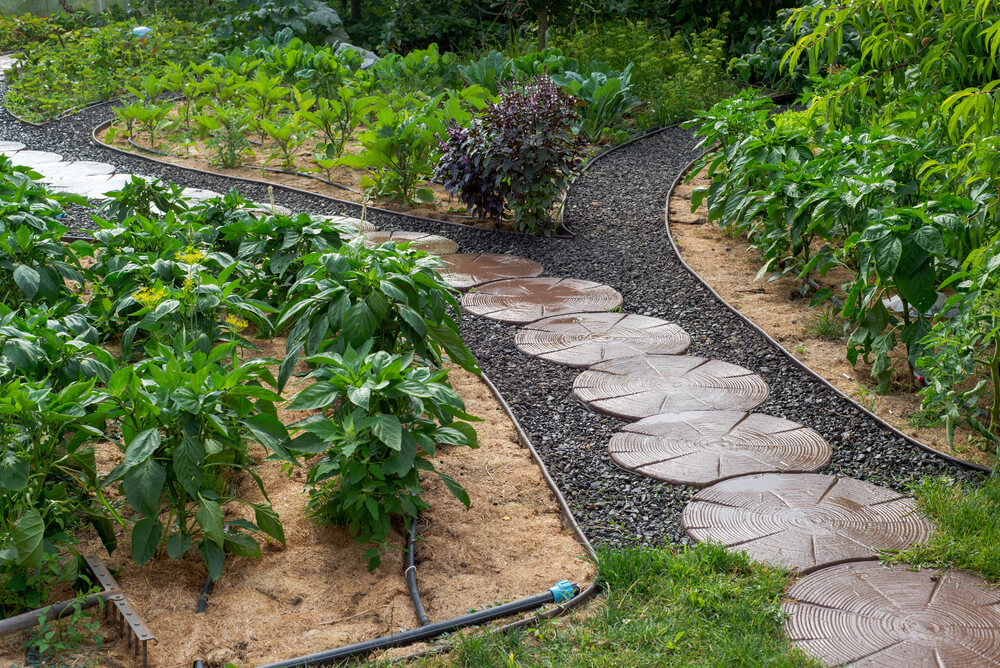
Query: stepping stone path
804	521
639	387
703	447
523	300
467	270
430	243
584	339
866	614
763	497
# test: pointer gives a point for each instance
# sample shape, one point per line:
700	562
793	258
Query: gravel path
616	210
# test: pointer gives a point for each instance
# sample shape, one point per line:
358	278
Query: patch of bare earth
729	265
315	593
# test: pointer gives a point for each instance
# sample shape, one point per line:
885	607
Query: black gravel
616	211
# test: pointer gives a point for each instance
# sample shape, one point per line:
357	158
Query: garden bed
443	208
729	265
315	593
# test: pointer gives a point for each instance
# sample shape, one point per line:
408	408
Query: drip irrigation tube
411	574
562	591
206	590
879	421
311	176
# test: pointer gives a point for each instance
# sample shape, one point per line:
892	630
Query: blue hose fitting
562	591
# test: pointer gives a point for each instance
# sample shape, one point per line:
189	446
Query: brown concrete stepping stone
638	387
865	614
703	447
583	339
467	270
524	300
804	521
8	147
429	243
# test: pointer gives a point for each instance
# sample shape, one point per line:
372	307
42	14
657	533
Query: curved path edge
796	361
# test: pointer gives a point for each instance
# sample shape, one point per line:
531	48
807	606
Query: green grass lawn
699	607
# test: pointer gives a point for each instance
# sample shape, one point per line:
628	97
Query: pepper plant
388	295
185	418
381	419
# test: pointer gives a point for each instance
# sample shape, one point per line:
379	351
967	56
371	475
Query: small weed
921	419
62	642
800	349
865	396
826	325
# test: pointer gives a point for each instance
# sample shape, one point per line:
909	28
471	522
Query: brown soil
198	155
729	265
316	593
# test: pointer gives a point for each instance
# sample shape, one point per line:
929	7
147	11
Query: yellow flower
150	297
191	255
236	323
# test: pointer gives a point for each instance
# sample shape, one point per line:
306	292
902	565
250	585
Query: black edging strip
879	421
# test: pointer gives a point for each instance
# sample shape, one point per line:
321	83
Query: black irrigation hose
875	418
148	150
411	574
311	176
206	590
554	595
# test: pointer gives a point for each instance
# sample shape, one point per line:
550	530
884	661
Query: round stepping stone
804	521
703	447
361	226
583	339
870	615
9	147
92	168
88	186
467	270
198	194
524	300
429	243
35	158
638	387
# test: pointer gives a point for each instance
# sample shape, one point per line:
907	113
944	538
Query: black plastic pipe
560	592
411	574
311	176
27	620
206	589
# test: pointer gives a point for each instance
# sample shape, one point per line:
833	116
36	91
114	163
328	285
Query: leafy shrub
389	295
463	172
399	150
185	417
608	96
383	417
311	20
675	74
421	70
51	348
44	461
525	144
